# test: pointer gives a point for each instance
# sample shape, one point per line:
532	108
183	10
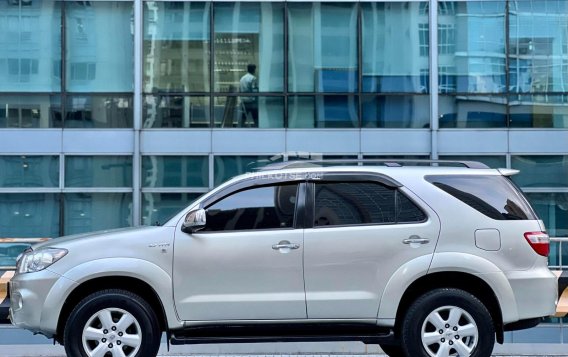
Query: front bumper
28	295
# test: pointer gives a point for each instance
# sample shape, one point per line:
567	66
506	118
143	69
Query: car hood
61	242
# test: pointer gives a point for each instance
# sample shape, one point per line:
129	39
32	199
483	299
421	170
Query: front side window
355	203
269	207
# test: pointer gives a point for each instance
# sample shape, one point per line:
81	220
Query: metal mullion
175	190
507	76
285	59
63	66
211	65
137	113
433	64
4	190
98	190
360	67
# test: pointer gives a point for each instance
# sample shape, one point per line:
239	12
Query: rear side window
494	196
355	203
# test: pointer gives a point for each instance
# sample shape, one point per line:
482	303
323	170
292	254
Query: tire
392	350
89	328
468	319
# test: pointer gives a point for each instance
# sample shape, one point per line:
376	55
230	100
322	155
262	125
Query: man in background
248	84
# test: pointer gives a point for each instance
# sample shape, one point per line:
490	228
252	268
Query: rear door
359	233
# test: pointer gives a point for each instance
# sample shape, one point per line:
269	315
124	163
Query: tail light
539	241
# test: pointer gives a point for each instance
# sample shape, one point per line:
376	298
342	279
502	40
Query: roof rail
385	162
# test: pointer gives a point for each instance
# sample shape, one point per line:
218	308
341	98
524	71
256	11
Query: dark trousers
250	110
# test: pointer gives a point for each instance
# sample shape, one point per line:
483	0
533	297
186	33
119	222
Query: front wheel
113	323
448	322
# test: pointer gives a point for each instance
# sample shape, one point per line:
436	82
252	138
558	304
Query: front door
247	263
360	237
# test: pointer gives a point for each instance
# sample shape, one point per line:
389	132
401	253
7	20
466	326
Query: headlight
40	259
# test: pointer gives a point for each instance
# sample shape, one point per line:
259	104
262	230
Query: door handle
415	240
285	245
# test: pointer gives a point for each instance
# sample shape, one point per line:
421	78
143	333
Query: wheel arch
458	280
131	284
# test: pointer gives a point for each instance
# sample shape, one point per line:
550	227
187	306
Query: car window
494	196
269	207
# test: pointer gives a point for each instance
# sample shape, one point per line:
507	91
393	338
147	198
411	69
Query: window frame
299	209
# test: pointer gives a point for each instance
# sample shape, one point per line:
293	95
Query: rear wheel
113	323
448	322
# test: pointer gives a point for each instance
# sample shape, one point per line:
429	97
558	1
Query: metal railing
556	245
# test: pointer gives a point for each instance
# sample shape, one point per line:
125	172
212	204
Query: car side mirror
194	221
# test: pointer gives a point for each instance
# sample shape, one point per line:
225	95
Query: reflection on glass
175	171
394	53
29	171
541	170
249	34
98	171
538	111
230	166
322	47
159	207
99	111
258	208
30	54
176	112
493	161
537	46
472	112
239	112
552	208
471	47
100	46
337	111
176	46
88	212
34	111
29	215
396	111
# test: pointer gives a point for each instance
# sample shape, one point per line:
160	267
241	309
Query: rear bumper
535	291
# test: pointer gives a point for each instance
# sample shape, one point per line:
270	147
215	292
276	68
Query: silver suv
424	260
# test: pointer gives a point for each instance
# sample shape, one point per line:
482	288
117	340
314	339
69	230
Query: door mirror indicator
194	221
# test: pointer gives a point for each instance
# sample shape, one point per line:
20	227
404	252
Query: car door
246	264
361	233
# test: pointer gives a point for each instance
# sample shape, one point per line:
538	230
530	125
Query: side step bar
281	333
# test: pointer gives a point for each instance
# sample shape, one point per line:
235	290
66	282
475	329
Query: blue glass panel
157	208
322	47
541	170
30	46
29	215
176	46
98	171
100	46
29	171
175	171
87	212
394	58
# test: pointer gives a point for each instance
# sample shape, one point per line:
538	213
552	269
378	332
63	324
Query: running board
281	333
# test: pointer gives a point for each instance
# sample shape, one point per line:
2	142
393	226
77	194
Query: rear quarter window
494	196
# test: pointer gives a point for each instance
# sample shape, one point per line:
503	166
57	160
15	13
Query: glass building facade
119	113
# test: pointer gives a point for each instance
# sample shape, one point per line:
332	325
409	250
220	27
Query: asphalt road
20	343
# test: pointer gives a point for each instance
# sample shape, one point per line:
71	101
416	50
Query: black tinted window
259	208
407	211
349	203
494	196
